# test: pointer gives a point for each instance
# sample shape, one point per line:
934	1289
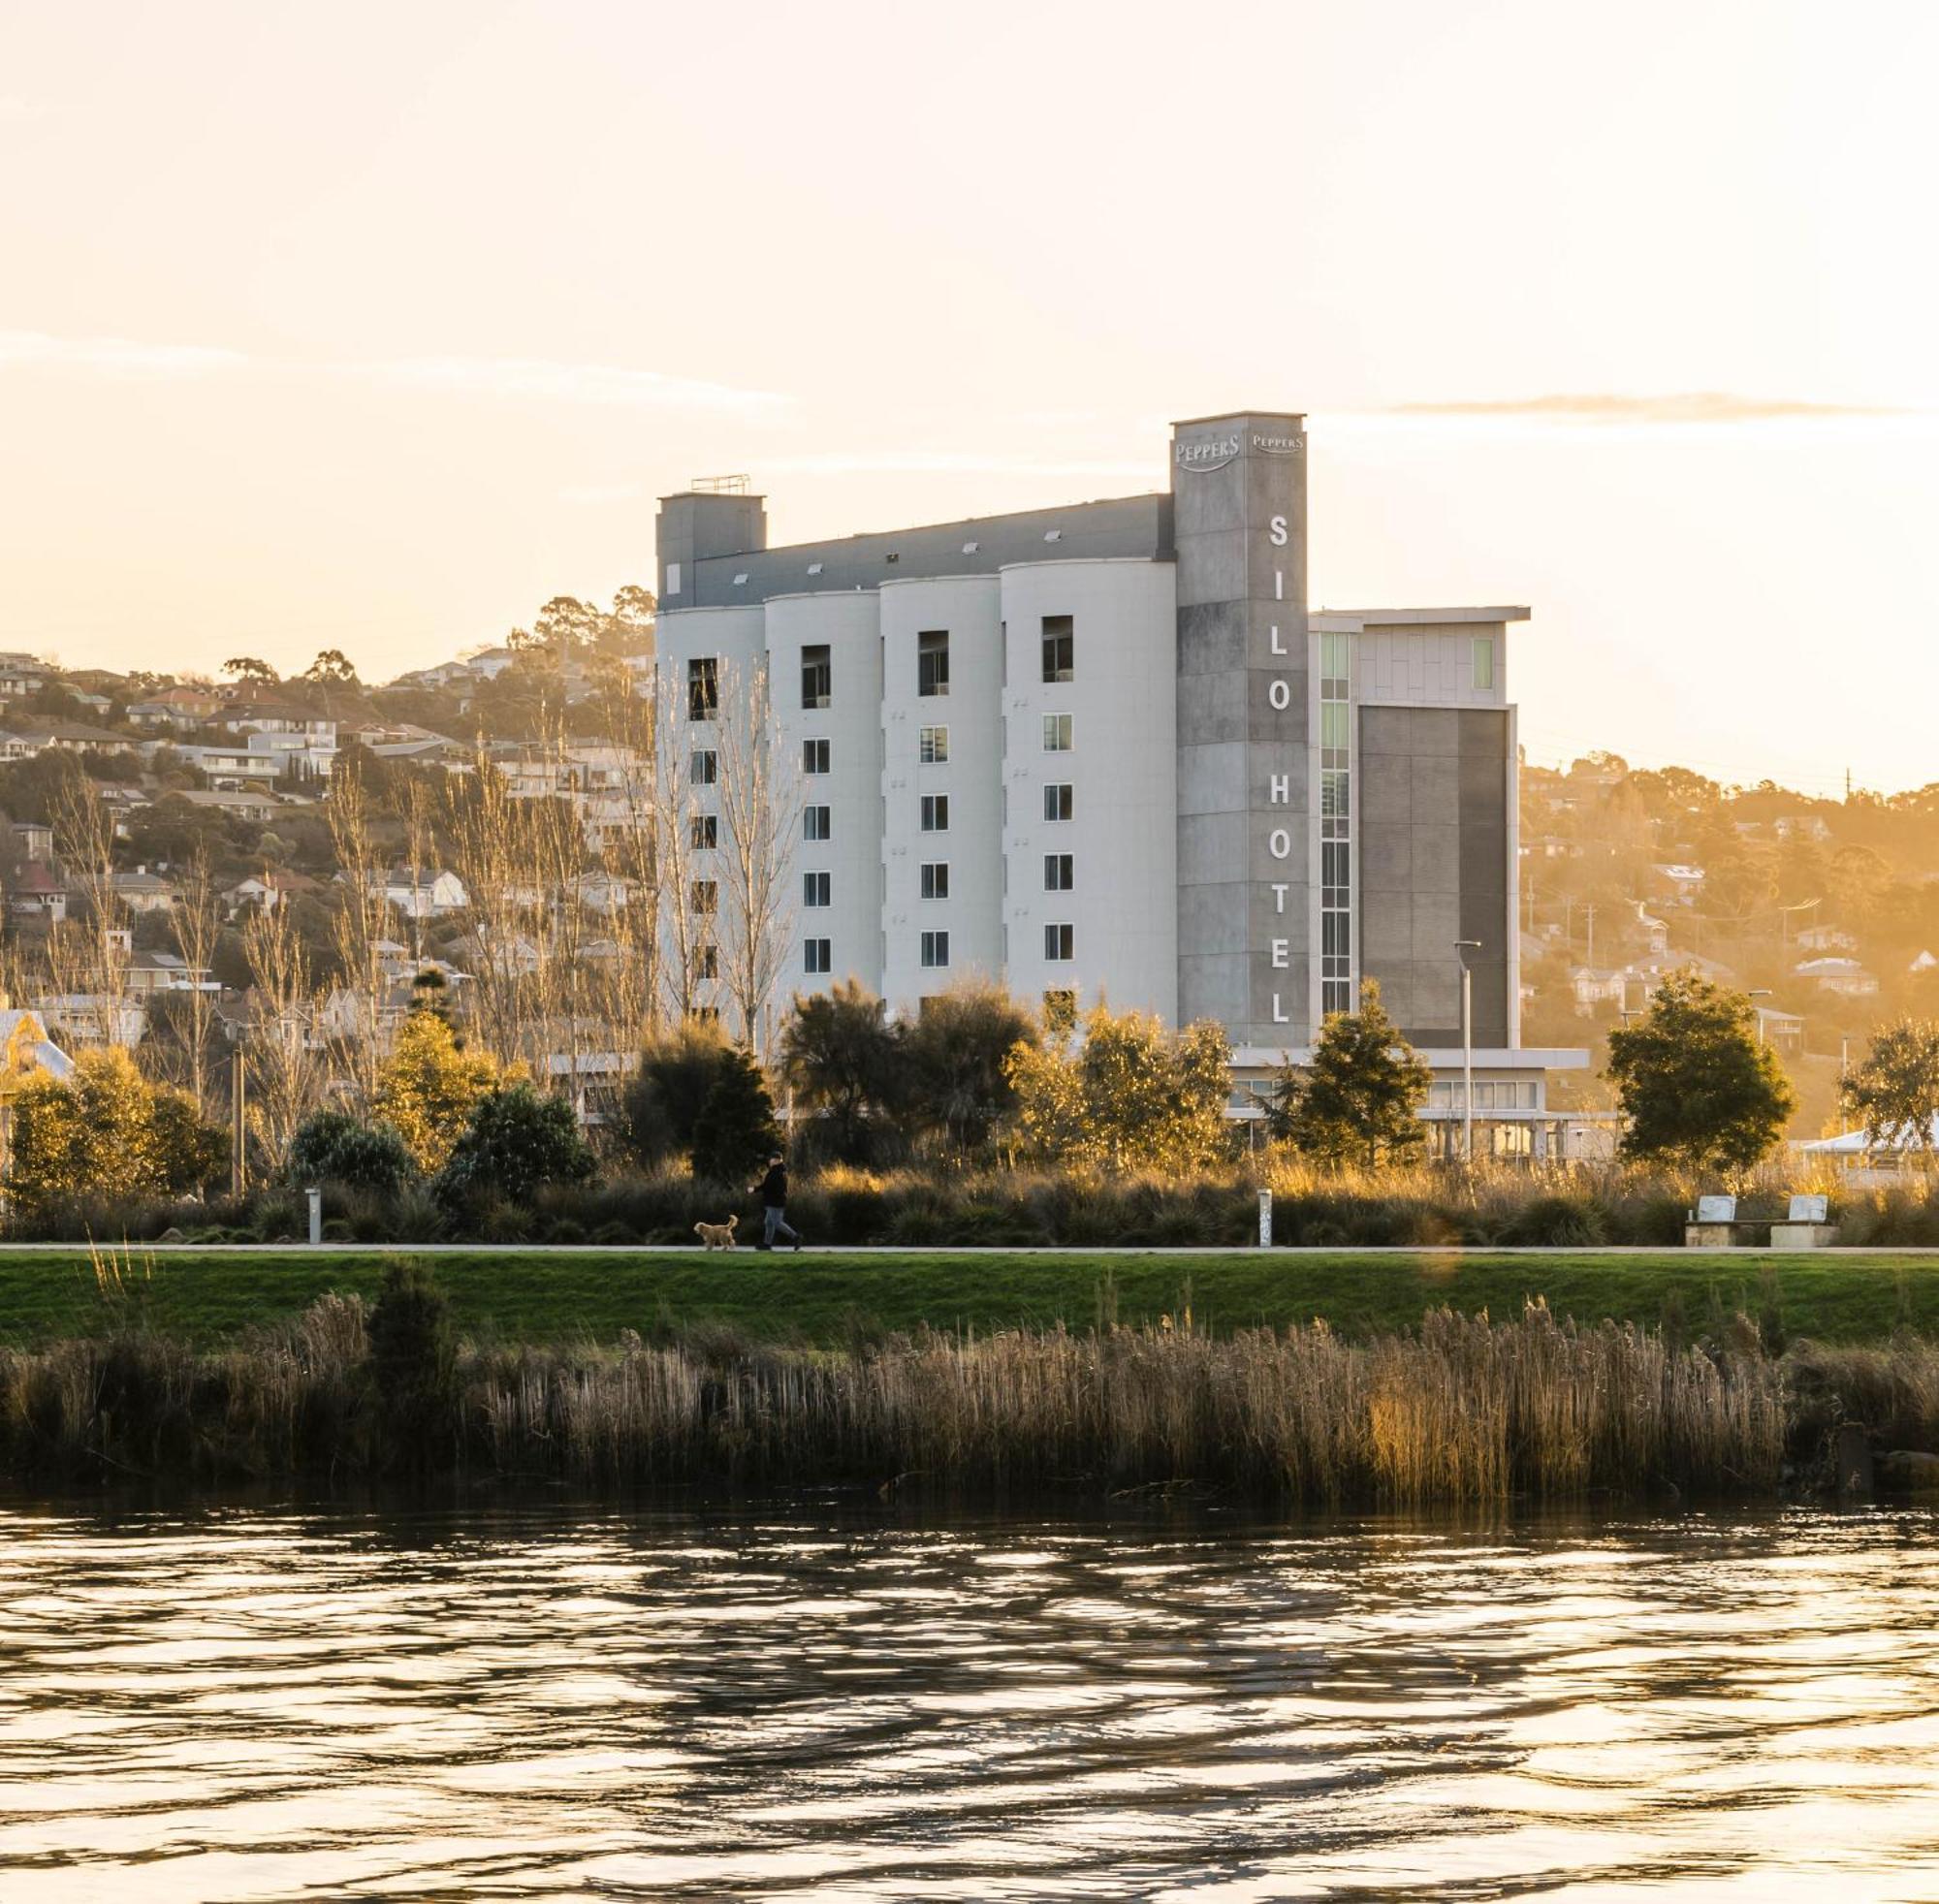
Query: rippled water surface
251	1705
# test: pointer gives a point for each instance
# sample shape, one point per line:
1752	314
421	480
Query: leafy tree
1696	1086
245	667
838	1055
514	1142
1359	1098
664	1099
107	1131
735	1132
567	626
430	1085
333	668
332	1147
1129	1094
952	1053
1895	1092
629	628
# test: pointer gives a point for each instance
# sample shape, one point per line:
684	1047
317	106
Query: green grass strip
820	1297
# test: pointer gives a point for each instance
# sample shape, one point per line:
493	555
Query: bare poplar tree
486	822
288	1073
195	926
359	924
91	960
759	799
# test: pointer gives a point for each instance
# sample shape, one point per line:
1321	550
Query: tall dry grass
1463	1409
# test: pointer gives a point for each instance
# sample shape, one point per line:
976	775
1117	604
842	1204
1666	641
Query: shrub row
1003	1208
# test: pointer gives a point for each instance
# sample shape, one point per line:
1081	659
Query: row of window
818	960
932	952
817	822
1517	1094
932	664
932	749
1059	877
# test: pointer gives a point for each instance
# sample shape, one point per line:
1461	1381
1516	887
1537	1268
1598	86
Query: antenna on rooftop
719	486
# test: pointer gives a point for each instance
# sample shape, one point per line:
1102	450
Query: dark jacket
774	1187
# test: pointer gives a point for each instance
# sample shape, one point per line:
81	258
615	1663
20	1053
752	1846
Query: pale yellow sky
373	325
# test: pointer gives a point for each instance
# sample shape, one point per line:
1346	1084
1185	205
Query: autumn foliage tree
1127	1094
428	1088
107	1131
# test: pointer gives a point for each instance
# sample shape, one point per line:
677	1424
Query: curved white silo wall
1123	833
849	626
969	610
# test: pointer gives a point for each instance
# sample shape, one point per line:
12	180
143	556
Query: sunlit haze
373	326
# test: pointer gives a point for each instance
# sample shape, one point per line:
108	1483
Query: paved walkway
812	1252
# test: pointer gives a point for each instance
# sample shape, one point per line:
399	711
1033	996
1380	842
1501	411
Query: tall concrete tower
1248	782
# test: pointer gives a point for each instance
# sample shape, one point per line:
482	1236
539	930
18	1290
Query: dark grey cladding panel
1484	849
1137	526
1433	865
1210	637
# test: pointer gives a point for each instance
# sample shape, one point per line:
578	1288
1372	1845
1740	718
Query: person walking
772	1189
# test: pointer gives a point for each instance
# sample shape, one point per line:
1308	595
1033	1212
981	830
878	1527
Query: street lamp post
1462	948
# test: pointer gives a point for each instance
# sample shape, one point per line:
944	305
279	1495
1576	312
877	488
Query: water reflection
251	1705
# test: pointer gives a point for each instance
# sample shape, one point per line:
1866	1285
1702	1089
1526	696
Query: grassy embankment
826	1297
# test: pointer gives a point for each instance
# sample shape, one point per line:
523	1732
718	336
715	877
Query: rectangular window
934	950
936	879
1483	649
673	579
817	955
932	663
814	889
705	767
709	960
933	745
1333	719
1057	875
815	756
1057	801
1334	651
1060	649
1057	733
818	677
815	823
935	813
1333	791
705	832
1335	935
705	896
1058	941
703	687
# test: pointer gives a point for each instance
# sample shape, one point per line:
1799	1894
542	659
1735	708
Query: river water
806	1702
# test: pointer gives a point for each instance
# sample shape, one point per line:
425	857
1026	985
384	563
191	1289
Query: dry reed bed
1464	1409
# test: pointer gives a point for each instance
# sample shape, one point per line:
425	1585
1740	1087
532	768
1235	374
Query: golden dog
716	1236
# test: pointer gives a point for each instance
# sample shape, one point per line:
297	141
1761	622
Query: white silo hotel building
1105	751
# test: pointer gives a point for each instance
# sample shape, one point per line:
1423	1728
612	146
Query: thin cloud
111	357
1691	406
529	377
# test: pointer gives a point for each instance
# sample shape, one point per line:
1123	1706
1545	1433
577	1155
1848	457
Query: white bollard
315	1217
1265	1219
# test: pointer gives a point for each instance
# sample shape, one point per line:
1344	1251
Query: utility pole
239	1123
1591	959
